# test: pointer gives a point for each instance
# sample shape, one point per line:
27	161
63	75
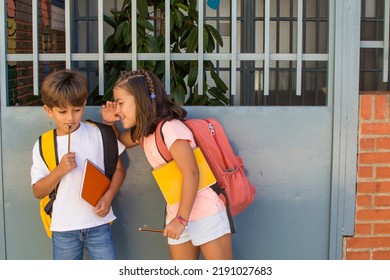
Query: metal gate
302	159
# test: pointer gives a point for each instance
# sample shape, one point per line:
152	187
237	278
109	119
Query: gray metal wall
287	155
302	161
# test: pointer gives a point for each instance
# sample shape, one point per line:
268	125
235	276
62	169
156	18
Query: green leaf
215	34
109	44
192	42
182	6
178	18
172	19
193	4
142	7
218	82
150	65
193	15
211	46
216	93
203	100
110	21
128	65
180	81
119	33
193	74
151	44
206	39
185	32
160	42
145	24
179	94
160	69
176	95
140	32
124	13
208	65
141	47
181	65
127	33
140	64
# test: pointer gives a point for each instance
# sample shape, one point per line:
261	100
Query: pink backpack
233	186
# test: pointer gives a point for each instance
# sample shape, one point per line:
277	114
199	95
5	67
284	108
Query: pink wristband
182	220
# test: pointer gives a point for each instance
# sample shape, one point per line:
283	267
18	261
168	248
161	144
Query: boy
75	224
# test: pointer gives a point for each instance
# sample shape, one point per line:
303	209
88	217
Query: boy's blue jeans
97	241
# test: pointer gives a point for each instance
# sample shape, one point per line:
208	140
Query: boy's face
125	107
65	116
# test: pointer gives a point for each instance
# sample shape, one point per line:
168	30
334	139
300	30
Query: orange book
95	183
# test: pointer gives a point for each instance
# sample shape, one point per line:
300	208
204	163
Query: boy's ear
48	110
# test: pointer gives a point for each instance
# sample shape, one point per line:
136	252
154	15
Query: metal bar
266	46
304	38
134	35
291	20
371	44
299	49
317	79
101	47
3	73
344	19
233	44
277	70
4	102
173	56
378	35
68	33
35	47
167	49
200	46
385	58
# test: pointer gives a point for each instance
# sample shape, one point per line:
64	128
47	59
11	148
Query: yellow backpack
48	152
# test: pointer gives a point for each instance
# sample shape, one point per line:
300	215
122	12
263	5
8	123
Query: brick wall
51	40
372	231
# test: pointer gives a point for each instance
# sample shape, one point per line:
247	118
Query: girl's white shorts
204	230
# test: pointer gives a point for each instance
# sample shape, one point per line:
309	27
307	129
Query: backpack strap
110	147
48	148
221	191
48	152
160	143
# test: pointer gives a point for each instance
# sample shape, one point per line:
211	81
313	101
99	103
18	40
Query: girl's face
66	118
125	107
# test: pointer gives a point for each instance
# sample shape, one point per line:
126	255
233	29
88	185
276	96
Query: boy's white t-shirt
70	212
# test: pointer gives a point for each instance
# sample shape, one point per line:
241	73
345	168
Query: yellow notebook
169	177
95	183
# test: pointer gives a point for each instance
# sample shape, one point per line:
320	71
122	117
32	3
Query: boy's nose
70	119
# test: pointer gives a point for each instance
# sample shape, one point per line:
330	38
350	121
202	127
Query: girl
198	223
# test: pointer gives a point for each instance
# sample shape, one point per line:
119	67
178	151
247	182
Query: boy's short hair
64	88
